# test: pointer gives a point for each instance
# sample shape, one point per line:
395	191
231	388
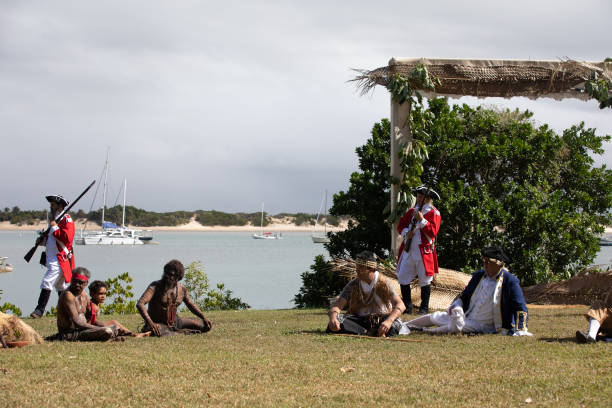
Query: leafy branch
600	89
412	154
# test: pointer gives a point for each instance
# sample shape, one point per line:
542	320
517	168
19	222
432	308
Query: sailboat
318	238
111	233
266	235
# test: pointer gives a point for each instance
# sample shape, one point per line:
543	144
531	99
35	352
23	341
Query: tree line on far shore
143	218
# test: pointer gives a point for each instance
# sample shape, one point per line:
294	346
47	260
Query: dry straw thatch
495	78
14	329
447	284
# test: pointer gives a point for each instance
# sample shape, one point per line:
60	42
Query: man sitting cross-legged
373	306
71	307
163	298
492	302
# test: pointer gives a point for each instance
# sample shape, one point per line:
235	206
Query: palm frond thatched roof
495	78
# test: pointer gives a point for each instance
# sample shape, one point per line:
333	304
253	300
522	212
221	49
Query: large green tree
506	181
503	181
366	199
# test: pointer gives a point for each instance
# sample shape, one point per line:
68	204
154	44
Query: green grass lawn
283	358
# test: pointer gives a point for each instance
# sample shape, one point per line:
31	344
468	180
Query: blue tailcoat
513	308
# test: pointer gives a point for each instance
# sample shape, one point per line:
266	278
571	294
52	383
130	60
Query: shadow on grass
558	339
314	331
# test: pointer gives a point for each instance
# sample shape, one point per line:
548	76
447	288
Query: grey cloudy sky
223	105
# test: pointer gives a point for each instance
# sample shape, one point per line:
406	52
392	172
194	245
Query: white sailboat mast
325	213
105	181
124	193
262	209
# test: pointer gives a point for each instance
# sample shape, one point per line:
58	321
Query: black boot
42	303
406	298
425	292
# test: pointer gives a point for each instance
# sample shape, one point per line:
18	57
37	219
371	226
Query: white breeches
454	322
411	267
54	278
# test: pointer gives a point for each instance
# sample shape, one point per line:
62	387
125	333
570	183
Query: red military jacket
429	231
64	236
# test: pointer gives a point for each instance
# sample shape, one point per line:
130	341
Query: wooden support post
400	134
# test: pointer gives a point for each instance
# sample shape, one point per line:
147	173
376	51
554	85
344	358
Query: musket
417	209
30	253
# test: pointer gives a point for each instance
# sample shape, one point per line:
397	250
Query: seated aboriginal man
97	292
600	320
492	302
373	306
164	298
71	322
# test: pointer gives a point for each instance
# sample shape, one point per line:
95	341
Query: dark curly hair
176	268
96	285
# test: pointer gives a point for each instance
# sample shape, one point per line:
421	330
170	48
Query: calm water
263	273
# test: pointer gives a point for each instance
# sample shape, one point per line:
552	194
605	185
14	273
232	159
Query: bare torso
65	322
160	300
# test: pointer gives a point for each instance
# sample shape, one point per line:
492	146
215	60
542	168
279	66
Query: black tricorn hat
424	190
496	252
56	198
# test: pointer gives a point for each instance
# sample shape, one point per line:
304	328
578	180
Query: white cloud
210	105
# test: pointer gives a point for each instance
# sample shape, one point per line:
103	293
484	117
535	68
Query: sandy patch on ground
277	225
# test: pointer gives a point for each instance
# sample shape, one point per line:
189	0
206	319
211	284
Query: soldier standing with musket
58	256
417	254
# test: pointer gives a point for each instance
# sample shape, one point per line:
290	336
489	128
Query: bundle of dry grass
447	284
13	329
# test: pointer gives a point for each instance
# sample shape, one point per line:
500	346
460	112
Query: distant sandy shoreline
189	227
195	226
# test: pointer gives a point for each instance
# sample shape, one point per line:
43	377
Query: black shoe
408	309
584	338
35	315
423	312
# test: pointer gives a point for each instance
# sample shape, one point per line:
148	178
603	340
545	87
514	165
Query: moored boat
4	266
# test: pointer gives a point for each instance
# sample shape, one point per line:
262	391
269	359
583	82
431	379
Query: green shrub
319	285
207	298
119	295
9	307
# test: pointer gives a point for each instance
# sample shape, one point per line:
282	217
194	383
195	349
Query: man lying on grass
599	317
373	306
71	307
492	302
164	298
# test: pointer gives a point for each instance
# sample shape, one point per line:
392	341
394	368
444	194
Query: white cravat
481	304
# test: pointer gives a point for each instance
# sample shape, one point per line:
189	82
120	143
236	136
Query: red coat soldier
420	257
59	254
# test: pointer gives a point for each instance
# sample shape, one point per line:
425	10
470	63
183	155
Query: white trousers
453	322
411	267
54	278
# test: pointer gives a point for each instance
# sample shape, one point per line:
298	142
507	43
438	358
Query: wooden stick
357	336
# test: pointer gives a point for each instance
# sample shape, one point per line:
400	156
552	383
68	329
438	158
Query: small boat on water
321	238
4	266
605	242
266	235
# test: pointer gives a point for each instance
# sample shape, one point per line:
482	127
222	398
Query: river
263	273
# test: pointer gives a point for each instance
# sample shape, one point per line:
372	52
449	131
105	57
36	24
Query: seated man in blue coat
492	302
